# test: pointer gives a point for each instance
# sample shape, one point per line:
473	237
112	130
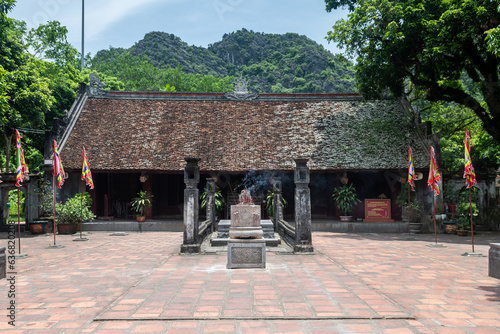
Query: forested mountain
270	62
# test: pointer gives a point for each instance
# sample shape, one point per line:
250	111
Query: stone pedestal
224	225
246	253
3	263
246	248
494	261
245	222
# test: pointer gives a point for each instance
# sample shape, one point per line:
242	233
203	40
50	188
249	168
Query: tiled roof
144	133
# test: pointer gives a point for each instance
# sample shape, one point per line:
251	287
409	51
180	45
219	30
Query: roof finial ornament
241	90
96	85
240	85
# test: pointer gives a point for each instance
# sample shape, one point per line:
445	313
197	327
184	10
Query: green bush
71	212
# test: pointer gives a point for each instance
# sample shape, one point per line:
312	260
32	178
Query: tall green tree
49	42
26	96
433	44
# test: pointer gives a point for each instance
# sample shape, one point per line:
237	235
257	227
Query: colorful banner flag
58	167
434	176
86	174
469	173
21	164
411	170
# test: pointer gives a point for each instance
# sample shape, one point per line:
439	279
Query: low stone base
246	253
223	233
190	249
494	261
3	263
306	248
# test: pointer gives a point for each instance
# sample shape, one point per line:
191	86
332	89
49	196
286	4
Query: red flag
469	173
21	164
86	174
58	167
411	170
434	176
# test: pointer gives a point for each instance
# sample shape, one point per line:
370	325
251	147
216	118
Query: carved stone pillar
191	206
278	206
147	186
303	240
211	201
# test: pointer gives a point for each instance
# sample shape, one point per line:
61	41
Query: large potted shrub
464	210
218	198
415	209
143	200
269	202
346	199
69	214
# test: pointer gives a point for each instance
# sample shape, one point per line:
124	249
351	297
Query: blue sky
121	23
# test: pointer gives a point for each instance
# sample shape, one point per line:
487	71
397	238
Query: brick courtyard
354	283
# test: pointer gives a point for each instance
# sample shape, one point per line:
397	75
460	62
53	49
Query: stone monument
494	260
246	248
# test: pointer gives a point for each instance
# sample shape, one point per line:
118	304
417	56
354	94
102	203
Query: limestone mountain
270	62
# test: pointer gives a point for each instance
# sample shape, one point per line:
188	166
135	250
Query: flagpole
81	210
18	221
471	224
54	183
408	210
434	211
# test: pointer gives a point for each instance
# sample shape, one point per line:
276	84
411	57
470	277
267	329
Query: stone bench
494	261
3	263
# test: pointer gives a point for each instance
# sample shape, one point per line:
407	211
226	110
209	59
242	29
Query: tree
49	42
26	96
433	44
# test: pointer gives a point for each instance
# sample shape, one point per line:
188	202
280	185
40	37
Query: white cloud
101	16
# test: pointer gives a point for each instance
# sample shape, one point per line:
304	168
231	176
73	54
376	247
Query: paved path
354	283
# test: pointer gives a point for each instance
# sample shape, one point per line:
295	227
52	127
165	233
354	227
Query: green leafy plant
450	194
402	201
464	210
140	202
219	199
45	198
345	198
71	211
269	202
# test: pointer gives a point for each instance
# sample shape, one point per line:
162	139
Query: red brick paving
355	283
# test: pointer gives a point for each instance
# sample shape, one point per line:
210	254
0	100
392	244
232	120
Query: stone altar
246	248
245	222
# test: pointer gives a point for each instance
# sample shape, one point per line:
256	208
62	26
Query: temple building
139	141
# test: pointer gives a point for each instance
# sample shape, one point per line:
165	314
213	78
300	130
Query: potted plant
219	199
464	210
269	202
451	196
345	198
139	203
415	209
69	214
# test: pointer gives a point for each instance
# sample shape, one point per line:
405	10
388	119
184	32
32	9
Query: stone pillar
211	201
31	199
494	261
303	241
3	263
147	186
191	206
278	207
